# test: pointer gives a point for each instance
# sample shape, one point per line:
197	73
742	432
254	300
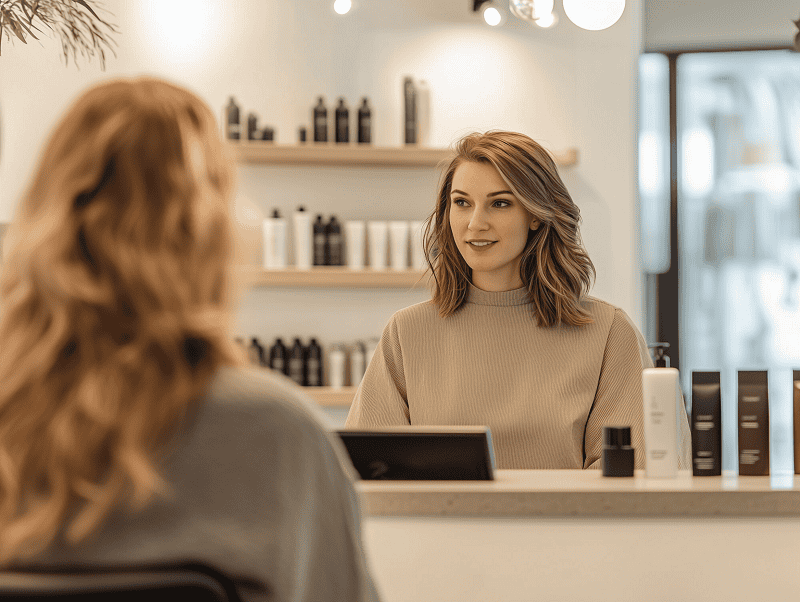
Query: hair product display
302	238
232	125
342	117
364	123
320	121
660	397
617	451
333	250
252	127
398	244
377	233
706	424
753	403
355	243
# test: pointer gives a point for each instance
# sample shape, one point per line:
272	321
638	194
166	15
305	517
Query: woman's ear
535	223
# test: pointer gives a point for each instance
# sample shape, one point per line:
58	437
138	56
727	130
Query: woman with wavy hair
131	430
511	338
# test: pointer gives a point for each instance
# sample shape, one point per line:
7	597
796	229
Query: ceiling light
493	14
594	14
342	6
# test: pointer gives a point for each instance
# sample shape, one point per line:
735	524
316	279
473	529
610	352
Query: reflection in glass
739	229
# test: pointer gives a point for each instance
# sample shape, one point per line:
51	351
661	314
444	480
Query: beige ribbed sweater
545	393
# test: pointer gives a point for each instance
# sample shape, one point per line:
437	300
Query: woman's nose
477	220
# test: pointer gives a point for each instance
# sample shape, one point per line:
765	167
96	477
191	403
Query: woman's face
483	210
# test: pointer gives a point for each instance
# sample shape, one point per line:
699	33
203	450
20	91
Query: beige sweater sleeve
619	402
381	398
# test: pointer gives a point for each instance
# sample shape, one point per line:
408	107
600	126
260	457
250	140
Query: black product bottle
320	121
333	242
342	122
232	127
252	127
364	123
313	376
277	357
617	451
319	241
297	357
256	353
410	105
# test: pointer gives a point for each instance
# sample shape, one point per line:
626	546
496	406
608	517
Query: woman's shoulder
256	393
602	312
418	316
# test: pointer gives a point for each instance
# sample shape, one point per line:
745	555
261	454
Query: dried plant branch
78	26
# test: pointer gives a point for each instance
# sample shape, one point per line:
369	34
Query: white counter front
576	535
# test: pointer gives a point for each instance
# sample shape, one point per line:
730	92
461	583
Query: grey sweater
261	491
545	393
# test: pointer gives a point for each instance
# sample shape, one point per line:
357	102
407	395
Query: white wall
565	87
712	24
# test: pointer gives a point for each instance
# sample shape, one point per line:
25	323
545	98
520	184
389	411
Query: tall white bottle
302	238
660	393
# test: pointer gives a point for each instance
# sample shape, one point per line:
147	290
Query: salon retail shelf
572	493
355	155
331	398
333	277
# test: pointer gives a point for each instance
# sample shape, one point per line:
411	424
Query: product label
296	370
313	373
277	364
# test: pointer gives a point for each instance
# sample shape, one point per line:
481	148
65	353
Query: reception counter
576	535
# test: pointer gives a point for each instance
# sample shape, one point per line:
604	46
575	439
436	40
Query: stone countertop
575	493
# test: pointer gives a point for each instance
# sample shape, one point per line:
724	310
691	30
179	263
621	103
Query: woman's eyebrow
490	194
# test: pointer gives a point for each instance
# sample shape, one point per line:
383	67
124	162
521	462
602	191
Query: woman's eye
457	202
505	203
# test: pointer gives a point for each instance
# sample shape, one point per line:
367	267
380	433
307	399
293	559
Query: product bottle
256	353
319	241
232	128
336	361
364	123
297	362
313	376
277	357
660	393
357	361
274	241
617	451
302	238
252	127
753	402
301	134
410	111
333	242
342	122
423	113
706	424
320	121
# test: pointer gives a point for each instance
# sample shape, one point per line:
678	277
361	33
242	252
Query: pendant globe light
594	15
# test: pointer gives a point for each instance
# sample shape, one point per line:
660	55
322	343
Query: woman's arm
618	400
381	398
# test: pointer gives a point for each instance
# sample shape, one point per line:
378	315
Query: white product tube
354	241
279	243
268	231
302	240
398	244
336	364
377	232
357	360
417	250
660	395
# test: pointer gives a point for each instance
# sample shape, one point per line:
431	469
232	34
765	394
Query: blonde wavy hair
114	302
554	267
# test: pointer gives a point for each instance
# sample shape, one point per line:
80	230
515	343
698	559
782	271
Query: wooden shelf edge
352	154
331	398
332	277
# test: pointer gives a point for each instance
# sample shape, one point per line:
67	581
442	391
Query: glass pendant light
594	15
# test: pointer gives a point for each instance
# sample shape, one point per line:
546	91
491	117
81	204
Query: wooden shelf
315	153
331	398
333	277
